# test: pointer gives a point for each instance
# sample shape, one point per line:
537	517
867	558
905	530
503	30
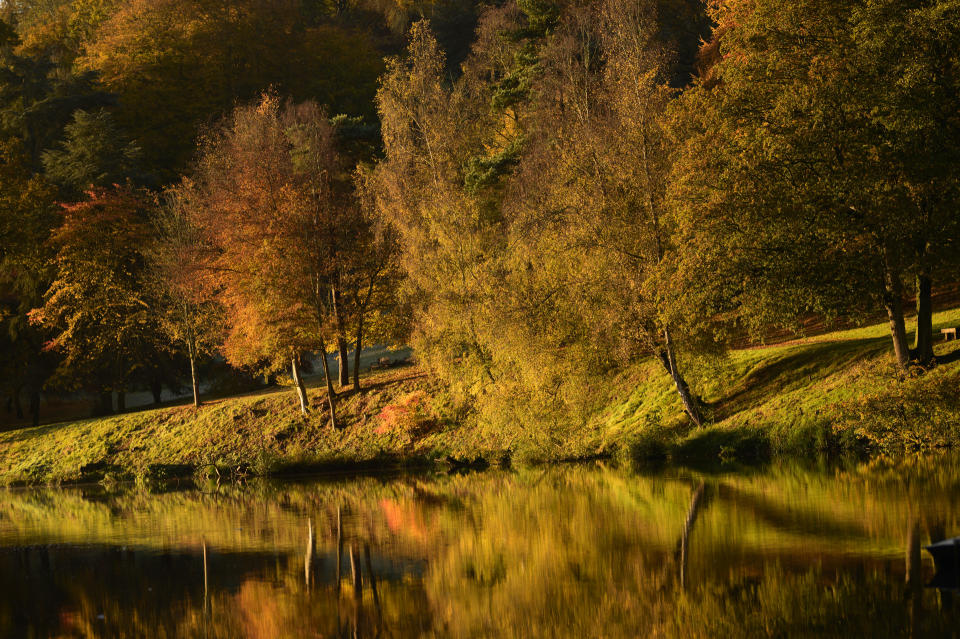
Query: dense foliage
535	193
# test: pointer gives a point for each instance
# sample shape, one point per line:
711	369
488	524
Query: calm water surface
577	551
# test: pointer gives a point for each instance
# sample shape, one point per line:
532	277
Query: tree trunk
357	573
331	394
373	579
298	383
35	406
669	360
206	580
343	361
684	546
893	303
342	357
923	347
194	383
121	401
156	389
358	347
17	406
105	404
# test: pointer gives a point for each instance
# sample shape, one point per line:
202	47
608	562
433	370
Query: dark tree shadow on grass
948	358
800	367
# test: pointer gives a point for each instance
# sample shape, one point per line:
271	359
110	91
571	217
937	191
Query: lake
569	551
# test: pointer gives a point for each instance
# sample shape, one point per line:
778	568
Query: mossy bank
837	393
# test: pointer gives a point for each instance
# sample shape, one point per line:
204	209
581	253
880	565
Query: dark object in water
946	559
463	465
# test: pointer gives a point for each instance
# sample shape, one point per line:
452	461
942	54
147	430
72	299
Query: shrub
914	414
409	416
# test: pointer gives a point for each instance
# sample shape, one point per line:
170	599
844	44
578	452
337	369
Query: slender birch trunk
194	382
343	357
358	347
331	393
298	383
669	360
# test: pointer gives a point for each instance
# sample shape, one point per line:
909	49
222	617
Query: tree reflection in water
568	552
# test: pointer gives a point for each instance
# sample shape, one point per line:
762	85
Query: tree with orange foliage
187	309
266	199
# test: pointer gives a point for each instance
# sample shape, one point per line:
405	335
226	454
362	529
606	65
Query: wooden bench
948	333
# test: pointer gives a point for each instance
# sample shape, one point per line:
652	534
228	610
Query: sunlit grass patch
259	433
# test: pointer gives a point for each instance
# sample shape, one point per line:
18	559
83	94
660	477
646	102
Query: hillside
834	393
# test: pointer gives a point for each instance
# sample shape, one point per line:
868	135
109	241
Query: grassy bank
837	393
258	434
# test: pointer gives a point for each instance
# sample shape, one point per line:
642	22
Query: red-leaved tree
103	324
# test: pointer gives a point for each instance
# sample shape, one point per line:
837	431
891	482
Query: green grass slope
258	434
833	393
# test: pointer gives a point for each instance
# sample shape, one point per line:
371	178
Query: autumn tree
817	167
268	201
594	181
364	275
532	211
912	67
37	98
325	174
185	305
378	308
450	242
42	27
102	322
